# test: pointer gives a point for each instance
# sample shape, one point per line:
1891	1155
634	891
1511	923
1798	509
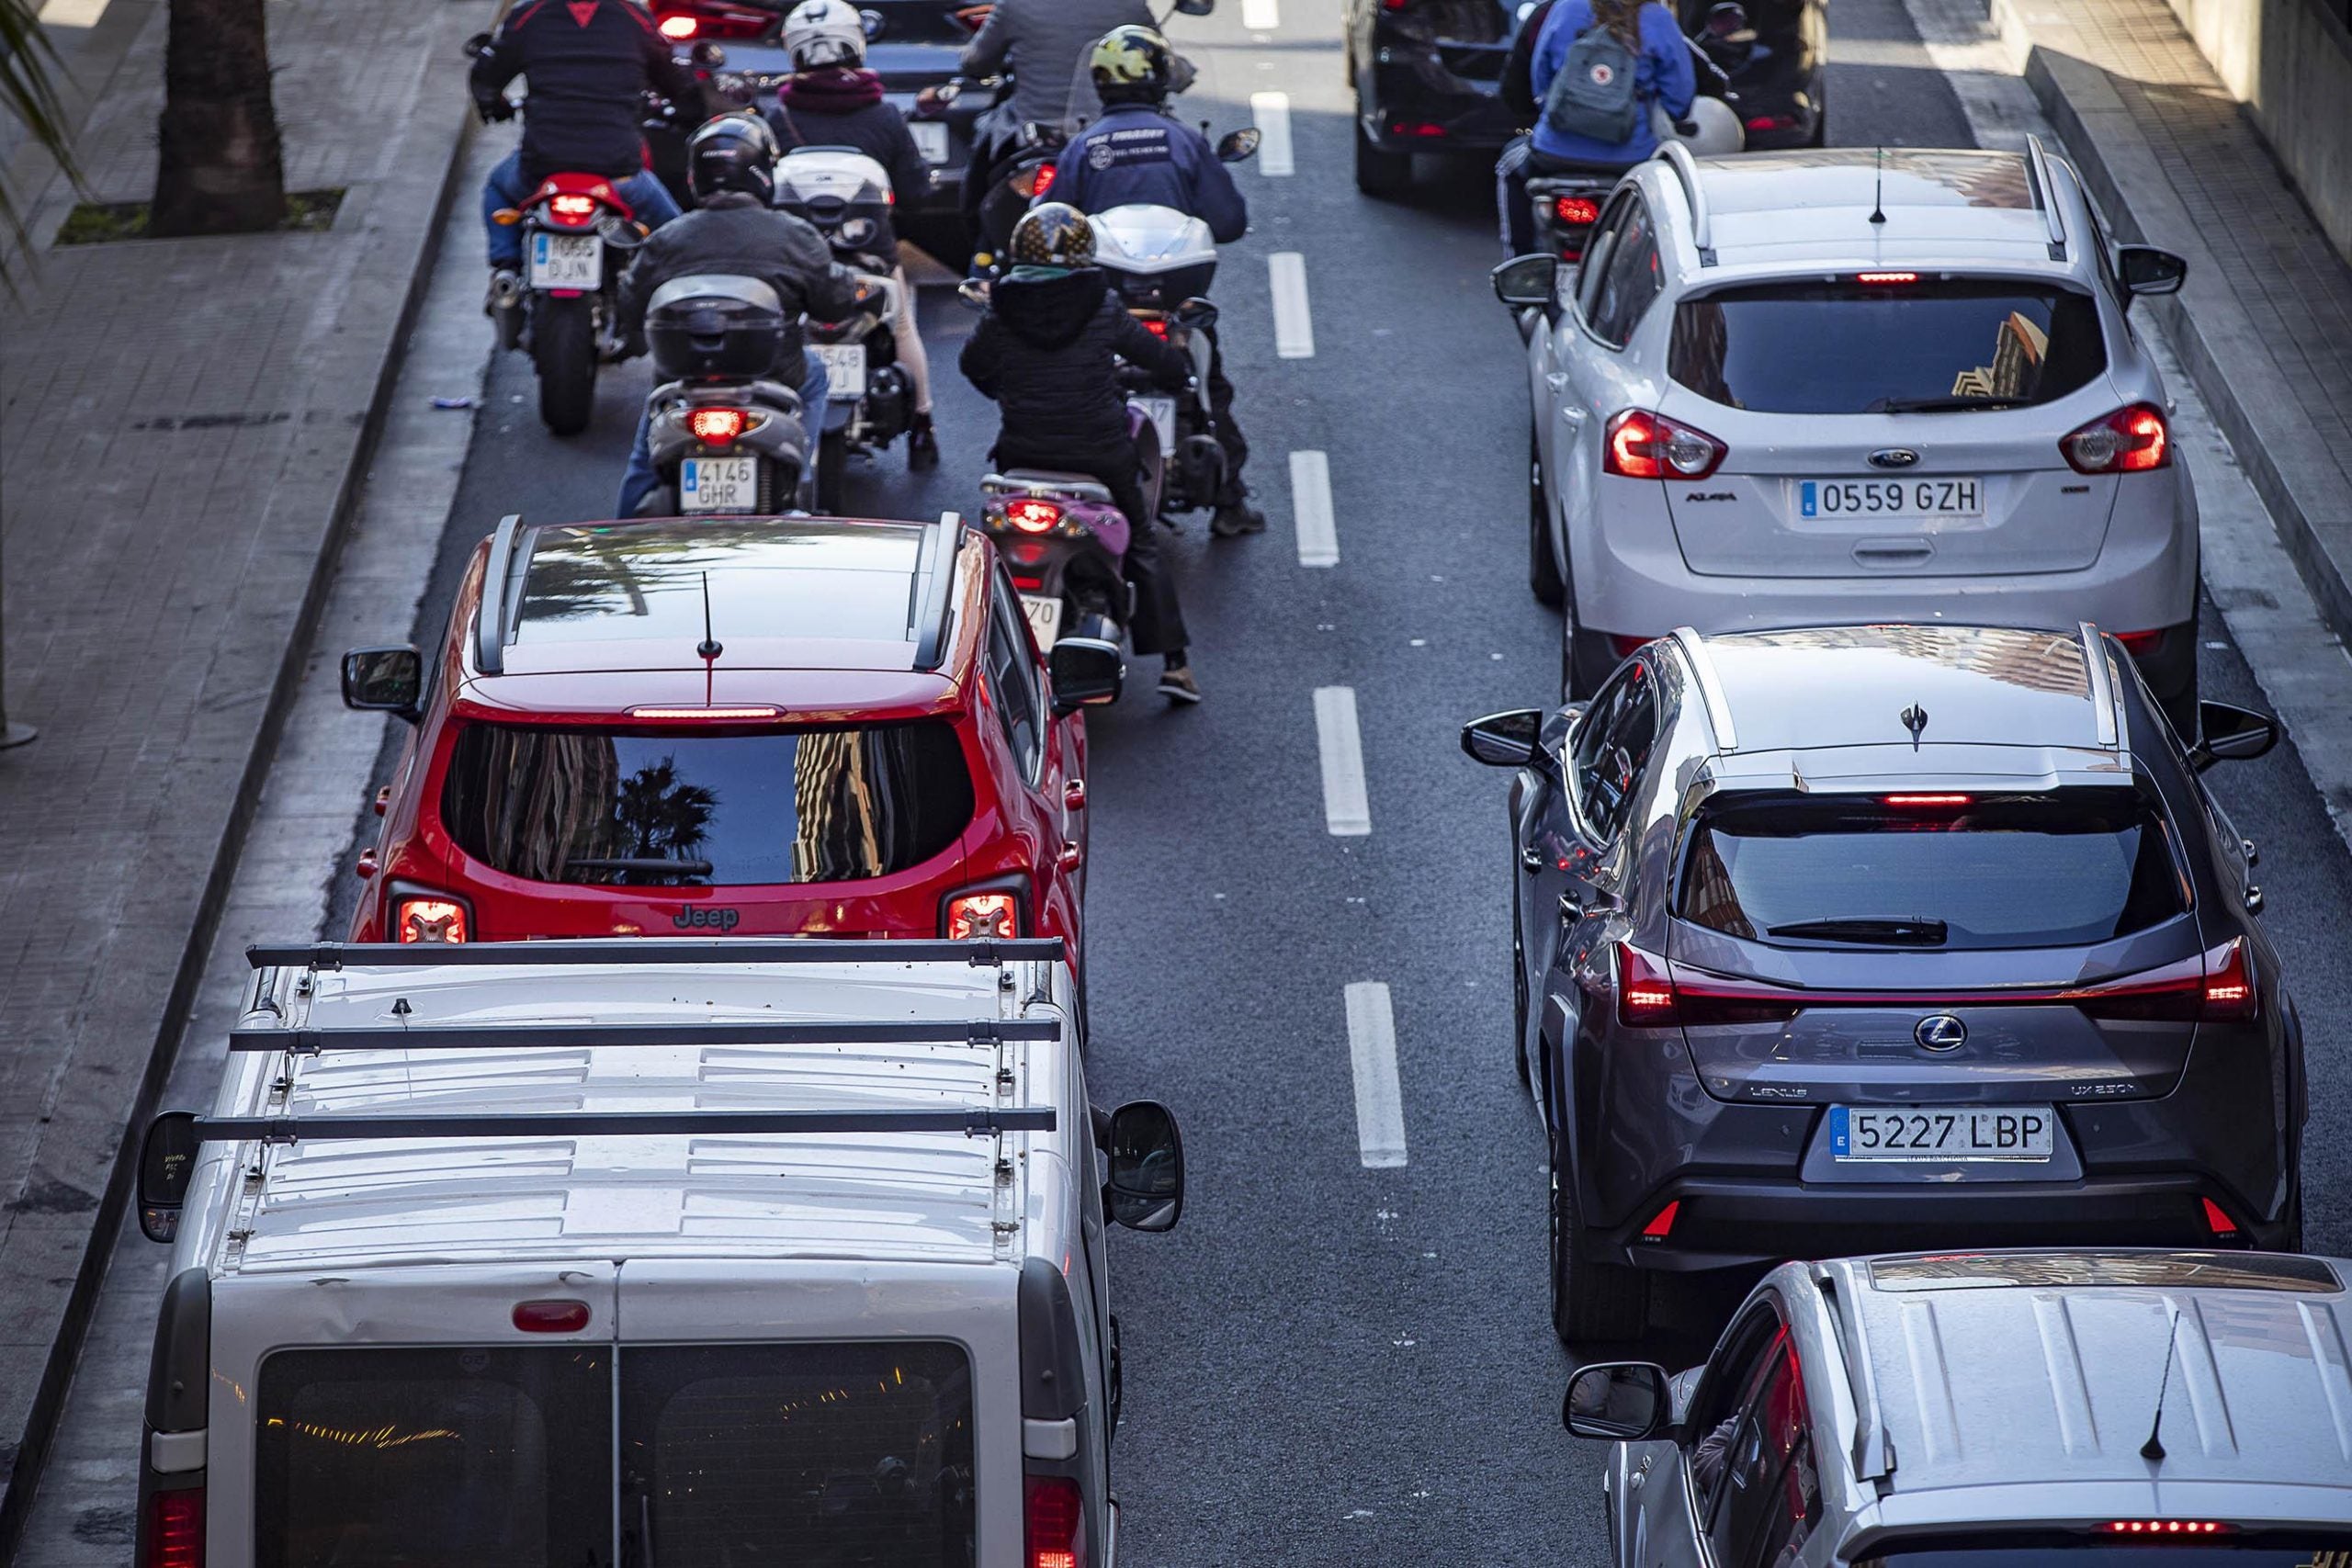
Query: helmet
732	152
1132	64
1715	128
1055	234
824	32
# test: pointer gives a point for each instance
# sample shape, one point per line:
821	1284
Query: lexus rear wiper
1946	405
1904	932
645	865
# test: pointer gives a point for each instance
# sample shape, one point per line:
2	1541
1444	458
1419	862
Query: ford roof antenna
1915	719
709	648
1878	186
2154	1448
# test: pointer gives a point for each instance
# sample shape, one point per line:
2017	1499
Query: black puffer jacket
732	232
1045	352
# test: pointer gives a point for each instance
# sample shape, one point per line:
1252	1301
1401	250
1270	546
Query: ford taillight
174	1529
1640	445
970	915
2128	441
431	916
1054	1522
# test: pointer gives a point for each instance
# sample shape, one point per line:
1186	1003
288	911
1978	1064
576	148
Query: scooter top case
714	326
838	189
1159	257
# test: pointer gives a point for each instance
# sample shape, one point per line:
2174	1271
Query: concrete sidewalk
2265	323
182	425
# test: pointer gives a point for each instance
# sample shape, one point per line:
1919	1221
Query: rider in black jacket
1046	352
589	63
731	165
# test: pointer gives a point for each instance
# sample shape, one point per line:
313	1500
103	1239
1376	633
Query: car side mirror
166	1165
1146	1192
1505	740
1085	670
384	679
1623	1402
706	54
2144	269
1239	145
1526	280
2226	733
1196	7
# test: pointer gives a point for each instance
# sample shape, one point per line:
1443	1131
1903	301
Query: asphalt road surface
1331	1361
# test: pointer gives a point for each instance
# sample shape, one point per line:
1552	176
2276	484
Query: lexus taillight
432	917
1653	994
1032	516
1054	1522
1645	989
1645	446
573	209
2176	1527
2214	987
176	1530
973	915
2128	441
717	427
1883	279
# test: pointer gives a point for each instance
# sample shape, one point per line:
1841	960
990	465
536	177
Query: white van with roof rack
644	1255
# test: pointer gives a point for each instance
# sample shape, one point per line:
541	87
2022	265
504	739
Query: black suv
1872	938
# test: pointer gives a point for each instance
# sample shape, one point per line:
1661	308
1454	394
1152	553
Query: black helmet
1055	234
733	152
1132	64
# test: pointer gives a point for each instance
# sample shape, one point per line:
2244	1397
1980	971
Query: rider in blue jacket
1663	73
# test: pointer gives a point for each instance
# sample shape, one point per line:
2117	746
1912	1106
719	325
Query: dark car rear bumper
1409	100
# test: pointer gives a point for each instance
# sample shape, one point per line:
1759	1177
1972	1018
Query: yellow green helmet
1132	64
1055	234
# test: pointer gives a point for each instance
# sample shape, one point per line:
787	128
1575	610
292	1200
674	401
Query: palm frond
29	95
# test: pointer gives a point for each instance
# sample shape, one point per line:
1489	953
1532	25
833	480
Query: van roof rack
1686	169
2045	193
600	1037
928	601
489	625
981	952
617	1124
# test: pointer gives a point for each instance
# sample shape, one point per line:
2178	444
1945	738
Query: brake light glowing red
1645	991
551	1317
1054	1522
1661	1224
2130	441
1046	174
747	710
176	1530
1033	516
678	28
572	210
433	919
2230	994
2218	1220
973	915
2166	1527
719	427
1156	326
1580	211
1926	800
1645	446
1883	277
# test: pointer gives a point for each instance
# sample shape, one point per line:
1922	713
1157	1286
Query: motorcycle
1567	206
726	437
1064	541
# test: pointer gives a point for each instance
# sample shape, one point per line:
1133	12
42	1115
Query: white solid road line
1294	329
1371	1051
1346	809
1271	113
1261	16
1310	504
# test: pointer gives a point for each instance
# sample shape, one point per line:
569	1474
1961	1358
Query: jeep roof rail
981	952
490	623
585	1036
619	1124
1686	169
2045	193
930	602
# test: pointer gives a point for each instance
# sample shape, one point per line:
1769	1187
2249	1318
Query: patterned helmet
1132	64
1055	234
820	33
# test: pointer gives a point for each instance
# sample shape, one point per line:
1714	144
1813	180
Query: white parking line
1346	809
1294	328
1261	16
1270	112
1371	1051
1310	505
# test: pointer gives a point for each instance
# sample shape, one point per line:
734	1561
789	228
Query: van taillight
176	1530
432	917
973	915
1054	1522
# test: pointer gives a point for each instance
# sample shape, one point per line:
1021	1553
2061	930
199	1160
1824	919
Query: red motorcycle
577	234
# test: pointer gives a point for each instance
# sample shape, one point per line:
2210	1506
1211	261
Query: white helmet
1715	127
824	32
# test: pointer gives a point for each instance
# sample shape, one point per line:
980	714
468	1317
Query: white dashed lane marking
1371	1052
1310	504
1271	113
1346	810
1294	328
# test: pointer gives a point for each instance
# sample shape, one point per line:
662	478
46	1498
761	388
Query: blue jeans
646	195
640	481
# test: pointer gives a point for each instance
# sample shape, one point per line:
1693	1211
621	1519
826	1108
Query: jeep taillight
2128	441
1640	445
431	916
1054	1522
175	1536
970	915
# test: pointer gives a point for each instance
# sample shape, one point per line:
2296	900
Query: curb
19	1485
2217	338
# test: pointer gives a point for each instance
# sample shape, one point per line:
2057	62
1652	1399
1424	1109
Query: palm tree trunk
220	171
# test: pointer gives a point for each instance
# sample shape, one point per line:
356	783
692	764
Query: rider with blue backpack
1593	70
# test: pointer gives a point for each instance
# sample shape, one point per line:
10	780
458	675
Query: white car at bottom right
1852	384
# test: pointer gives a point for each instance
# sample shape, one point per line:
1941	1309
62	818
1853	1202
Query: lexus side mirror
384	679
1505	740
2144	269
1085	670
1239	145
1622	1400
1196	7
1525	280
2231	734
708	54
1146	1192
166	1165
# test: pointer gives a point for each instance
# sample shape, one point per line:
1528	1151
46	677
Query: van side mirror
1085	670
1505	740
166	1165
1525	280
1239	145
1623	1402
2226	733
2144	269
384	679
1146	1192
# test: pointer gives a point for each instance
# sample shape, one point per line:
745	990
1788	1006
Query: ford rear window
628	808
1903	347
1932	869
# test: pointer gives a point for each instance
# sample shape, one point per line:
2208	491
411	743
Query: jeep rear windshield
2224	1545
1928	346
1932	869
664	808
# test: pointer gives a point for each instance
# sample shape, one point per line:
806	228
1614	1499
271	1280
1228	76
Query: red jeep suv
756	726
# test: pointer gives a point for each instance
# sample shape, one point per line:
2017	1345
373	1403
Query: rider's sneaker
1237	518
922	443
1177	686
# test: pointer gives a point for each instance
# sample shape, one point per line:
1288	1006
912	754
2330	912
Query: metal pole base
16	735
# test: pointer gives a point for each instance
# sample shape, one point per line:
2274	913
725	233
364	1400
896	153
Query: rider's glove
494	107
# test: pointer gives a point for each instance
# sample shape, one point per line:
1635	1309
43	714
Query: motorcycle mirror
1239	145
708	54
1196	7
974	291
475	45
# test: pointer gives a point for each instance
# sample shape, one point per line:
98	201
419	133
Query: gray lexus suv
1868	938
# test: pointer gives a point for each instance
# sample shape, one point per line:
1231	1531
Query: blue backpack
1594	95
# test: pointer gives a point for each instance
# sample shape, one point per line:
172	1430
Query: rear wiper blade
650	865
1946	405
1908	933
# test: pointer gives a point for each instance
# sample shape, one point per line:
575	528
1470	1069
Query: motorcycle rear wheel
564	350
